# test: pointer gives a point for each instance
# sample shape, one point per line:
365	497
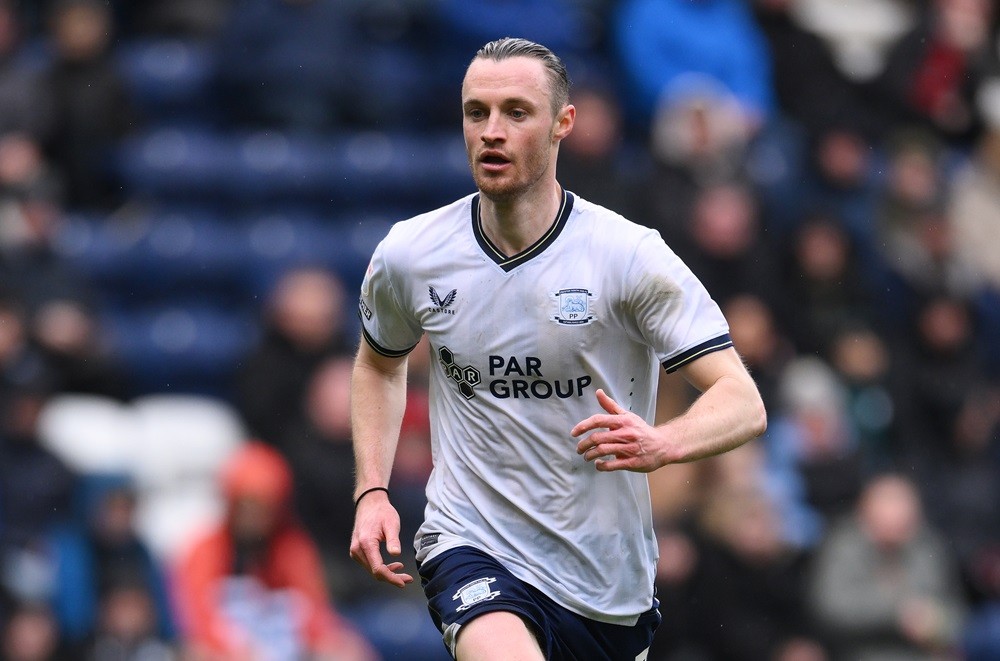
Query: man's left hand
627	442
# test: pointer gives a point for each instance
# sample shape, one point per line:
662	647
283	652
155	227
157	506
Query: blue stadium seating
349	168
186	347
157	254
169	78
169	252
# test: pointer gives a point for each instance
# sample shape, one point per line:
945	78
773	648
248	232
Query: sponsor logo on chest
510	377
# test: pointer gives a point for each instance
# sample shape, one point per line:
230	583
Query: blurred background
190	191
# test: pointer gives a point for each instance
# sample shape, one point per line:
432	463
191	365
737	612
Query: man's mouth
493	159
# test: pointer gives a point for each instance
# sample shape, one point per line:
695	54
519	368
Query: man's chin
495	189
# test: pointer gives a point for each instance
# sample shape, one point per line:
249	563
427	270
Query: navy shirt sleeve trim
390	353
682	359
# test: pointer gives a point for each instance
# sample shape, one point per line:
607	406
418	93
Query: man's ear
564	123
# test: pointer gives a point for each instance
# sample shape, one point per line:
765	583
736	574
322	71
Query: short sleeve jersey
519	346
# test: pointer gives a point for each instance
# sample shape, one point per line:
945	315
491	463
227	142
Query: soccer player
547	317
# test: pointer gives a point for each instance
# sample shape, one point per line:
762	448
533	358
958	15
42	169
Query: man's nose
494	129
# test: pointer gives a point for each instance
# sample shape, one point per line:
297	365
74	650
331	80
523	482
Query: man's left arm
727	413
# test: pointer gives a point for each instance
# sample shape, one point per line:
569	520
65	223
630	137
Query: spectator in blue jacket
659	42
101	553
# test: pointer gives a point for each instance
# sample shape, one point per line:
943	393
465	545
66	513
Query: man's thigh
497	636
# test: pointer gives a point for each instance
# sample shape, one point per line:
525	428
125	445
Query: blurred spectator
962	490
30	219
925	262
974	203
812	436
92	107
915	183
29	193
24	172
884	584
765	350
69	338
831	171
286	63
319	450
36	491
25	106
30	633
676	590
809	85
843	181
663	45
20	363
126	627
725	246
102	560
750	584
767	467
696	141
916	239
868	370
194	19
942	366
254	586
859	33
304	324
825	288
934	71
596	161
321	455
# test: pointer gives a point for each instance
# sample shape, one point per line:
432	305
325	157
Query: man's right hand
377	521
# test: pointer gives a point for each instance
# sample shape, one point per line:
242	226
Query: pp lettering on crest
573	307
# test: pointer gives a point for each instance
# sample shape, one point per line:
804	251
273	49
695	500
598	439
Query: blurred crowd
830	169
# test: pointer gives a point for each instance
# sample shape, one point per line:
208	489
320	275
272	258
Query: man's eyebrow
510	101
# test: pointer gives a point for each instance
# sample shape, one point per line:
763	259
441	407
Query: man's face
511	135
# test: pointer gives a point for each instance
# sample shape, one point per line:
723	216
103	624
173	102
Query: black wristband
368	491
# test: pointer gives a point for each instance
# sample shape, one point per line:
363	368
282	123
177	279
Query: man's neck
514	224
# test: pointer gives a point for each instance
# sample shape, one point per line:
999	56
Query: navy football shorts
464	583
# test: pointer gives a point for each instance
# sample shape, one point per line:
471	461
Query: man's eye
518	114
476	114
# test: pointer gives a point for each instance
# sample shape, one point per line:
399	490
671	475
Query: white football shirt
521	344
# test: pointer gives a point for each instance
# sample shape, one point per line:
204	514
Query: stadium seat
169	78
170	519
91	434
182	443
183	439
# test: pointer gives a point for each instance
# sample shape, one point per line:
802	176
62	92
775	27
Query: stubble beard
508	187
495	189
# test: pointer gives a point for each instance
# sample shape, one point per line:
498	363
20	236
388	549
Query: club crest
573	307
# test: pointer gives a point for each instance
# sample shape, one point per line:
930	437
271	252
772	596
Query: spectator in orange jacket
253	588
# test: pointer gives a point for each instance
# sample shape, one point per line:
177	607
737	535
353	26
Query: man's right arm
378	400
